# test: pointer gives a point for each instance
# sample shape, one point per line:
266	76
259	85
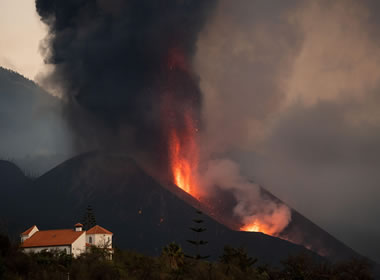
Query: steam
252	207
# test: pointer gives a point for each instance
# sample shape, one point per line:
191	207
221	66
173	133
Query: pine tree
198	229
89	220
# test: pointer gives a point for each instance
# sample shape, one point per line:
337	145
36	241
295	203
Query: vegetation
198	242
172	264
89	219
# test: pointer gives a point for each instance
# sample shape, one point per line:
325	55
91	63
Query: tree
236	257
299	267
198	229
354	269
174	255
89	220
5	245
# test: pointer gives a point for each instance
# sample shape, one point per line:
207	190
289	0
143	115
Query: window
90	240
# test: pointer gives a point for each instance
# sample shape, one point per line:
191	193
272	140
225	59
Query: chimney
78	227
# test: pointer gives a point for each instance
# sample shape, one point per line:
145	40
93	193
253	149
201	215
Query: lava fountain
183	157
181	122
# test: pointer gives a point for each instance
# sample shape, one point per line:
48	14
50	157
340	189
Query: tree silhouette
89	219
174	255
237	257
198	229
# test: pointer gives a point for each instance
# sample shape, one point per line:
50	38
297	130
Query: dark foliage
89	219
236	258
234	264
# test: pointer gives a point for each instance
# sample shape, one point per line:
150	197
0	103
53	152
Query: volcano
144	214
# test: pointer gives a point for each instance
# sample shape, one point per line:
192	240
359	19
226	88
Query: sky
21	32
295	87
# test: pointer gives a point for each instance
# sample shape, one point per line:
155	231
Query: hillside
13	183
31	121
143	215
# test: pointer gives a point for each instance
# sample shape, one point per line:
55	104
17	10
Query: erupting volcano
132	98
136	90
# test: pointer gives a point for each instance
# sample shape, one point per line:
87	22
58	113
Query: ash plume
117	61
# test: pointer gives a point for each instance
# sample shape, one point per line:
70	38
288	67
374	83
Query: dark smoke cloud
116	61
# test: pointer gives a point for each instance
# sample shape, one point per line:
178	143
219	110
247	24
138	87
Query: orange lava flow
184	157
253	227
257	227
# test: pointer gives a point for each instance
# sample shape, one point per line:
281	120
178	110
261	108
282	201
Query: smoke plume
251	206
295	87
119	63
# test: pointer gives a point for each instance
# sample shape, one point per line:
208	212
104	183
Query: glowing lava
180	113
253	227
256	226
184	157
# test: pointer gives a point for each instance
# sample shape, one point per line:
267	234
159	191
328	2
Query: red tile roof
46	238
98	229
28	230
78	225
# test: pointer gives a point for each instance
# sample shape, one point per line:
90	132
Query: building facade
70	241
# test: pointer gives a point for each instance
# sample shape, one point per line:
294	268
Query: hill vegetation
234	263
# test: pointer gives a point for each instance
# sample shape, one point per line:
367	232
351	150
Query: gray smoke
291	93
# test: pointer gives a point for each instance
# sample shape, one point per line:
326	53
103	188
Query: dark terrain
143	215
33	132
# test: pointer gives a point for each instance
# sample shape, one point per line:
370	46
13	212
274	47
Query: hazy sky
21	32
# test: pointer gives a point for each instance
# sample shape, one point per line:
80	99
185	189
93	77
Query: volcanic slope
143	215
28	112
13	182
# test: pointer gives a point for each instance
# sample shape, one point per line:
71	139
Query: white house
71	241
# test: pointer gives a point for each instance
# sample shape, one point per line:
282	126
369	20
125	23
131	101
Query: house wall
79	246
100	240
66	249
